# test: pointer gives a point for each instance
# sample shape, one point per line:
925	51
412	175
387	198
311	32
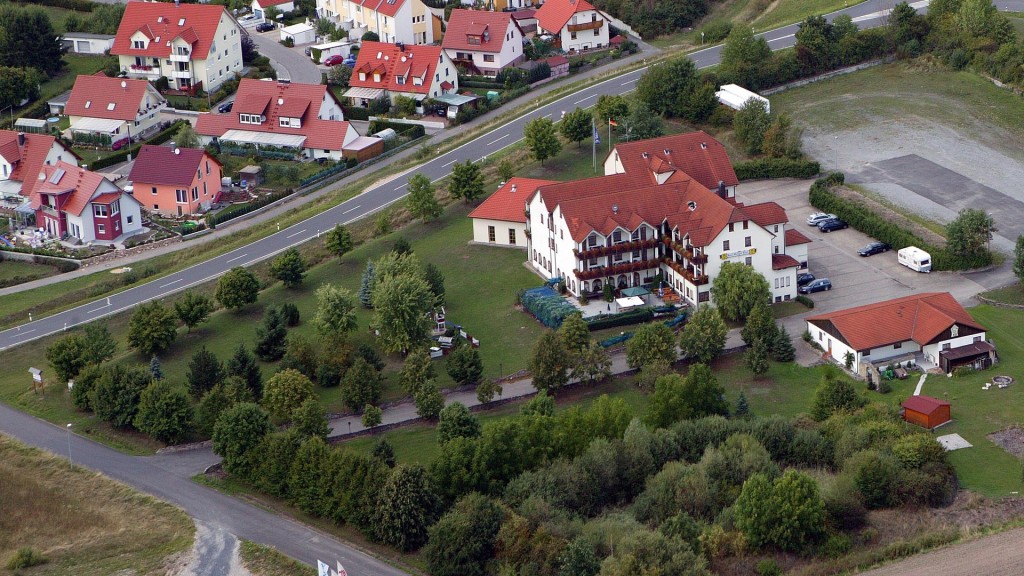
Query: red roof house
926	411
306	118
575	24
72	202
113	107
501	218
392	70
176	181
483	42
22	158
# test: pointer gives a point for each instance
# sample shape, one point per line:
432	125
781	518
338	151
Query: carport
453	101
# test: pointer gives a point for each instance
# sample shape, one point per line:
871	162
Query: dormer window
250	118
471	39
362	76
138	44
400	79
376	77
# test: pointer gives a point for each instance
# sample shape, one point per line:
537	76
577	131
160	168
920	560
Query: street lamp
836	142
701	38
128	124
70	462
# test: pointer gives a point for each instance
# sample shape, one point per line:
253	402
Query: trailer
914	258
736	97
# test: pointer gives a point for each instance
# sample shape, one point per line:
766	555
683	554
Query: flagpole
609	135
593	129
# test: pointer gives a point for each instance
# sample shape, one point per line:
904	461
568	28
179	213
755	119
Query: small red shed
926	411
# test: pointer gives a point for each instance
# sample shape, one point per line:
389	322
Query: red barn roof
508	203
697	154
920	317
162	22
162	165
391	63
103	97
924	404
553	14
464	24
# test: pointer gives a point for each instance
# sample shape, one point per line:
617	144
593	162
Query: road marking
21	333
172	283
548	115
495	140
449	164
583	99
296	233
481	159
350	209
237	258
95	310
781	38
400	187
627	83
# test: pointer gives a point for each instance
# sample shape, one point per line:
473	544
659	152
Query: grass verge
263	560
82	522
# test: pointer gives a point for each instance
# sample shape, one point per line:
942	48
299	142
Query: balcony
615	269
599	251
143	70
186	74
185	57
586	26
49	210
695	279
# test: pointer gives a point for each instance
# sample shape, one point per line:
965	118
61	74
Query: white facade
489	63
83	226
84	43
582	32
299	33
410	23
258	10
499	233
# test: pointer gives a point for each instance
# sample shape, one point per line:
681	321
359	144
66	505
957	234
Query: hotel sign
738	253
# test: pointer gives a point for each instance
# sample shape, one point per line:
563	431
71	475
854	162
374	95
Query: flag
341	571
597	137
322	569
612	122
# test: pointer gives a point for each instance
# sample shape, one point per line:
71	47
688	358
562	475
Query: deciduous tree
219	399
464	365
361	385
339	240
285	392
289	268
301	354
970	232
400	307
744	57
703	337
641	124
650	343
237	288
576	126
466	182
542	139
750	124
35	44
309	419
549	365
737	289
165	413
462	541
204	370
335	312
186	137
372	416
193	309
760	325
151	329
115	396
407	506
457	421
664	87
429	400
237	433
610	107
69	355
834	394
421	202
787	513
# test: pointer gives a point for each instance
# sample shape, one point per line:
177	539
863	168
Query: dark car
334	60
874	248
833	224
225	107
819	285
804	278
264	26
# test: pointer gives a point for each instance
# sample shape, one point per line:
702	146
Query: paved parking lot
856	280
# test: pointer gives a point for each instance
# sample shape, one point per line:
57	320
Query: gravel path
997	555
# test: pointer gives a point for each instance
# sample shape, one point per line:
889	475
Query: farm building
926	412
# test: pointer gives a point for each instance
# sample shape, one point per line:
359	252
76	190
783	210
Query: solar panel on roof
56	176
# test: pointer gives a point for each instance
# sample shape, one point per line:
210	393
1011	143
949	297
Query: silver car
818	218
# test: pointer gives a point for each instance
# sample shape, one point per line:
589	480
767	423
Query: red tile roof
161	20
93	96
553	14
921	318
106	198
275	100
554	61
696	153
524	14
783	261
508	203
78	182
464	23
28	160
795	237
162	165
415	61
385	7
268	3
766	213
924	404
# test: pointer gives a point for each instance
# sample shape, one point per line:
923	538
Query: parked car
831	225
874	248
817	217
350	61
804	278
819	285
264	26
308	51
334	60
225	107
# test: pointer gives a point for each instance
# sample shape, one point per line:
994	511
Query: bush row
612	320
765	168
412	131
212	220
806	301
356	113
76	5
163	136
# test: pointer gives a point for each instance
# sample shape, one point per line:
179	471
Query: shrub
25	558
808	303
835	546
764	168
768	567
290	313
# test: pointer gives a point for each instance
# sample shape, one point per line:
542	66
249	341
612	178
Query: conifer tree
366	286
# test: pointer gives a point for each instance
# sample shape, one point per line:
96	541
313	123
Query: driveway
289	63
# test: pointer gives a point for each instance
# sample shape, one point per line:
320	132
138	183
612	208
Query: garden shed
926	411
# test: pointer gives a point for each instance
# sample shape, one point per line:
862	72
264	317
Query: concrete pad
953	442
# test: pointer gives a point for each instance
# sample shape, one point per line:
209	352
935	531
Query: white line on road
450	163
21	333
296	233
496	139
172	283
236	258
350	209
400	187
94	310
781	38
584	99
548	115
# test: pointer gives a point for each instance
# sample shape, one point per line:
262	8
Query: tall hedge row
765	168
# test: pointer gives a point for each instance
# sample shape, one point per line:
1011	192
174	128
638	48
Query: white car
817	218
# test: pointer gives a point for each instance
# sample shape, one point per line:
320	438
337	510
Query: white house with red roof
392	70
500	220
193	45
483	42
664	205
406	21
22	158
259	7
576	25
72	202
302	118
931	328
116	107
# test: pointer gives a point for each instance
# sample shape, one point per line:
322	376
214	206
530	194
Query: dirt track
997	555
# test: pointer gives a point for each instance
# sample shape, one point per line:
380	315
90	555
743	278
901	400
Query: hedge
119	156
476	84
212	220
413	131
765	168
76	5
626	318
356	113
805	301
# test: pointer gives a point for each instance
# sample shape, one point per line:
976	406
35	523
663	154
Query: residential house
175	181
87	43
392	70
575	24
304	119
120	108
72	202
483	42
259	7
501	218
931	329
22	158
664	205
192	45
527	20
407	21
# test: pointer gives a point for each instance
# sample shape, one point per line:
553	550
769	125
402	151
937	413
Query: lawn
265	561
10	270
1013	294
76	64
82	522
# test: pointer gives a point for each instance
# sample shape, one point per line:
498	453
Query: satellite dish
124	84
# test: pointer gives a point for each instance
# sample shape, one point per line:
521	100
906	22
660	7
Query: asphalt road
867	15
290	64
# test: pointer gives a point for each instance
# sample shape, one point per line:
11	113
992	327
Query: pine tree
757	358
782	347
384	452
155	369
742	407
271	337
243	365
204	370
366	286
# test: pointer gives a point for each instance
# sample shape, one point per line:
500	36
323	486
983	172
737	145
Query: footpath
524	103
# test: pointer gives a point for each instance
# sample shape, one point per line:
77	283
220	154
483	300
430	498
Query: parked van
916	259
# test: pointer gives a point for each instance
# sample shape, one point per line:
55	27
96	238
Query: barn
926	411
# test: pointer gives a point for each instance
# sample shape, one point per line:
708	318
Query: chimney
721	189
21	138
173	146
176	3
703	145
